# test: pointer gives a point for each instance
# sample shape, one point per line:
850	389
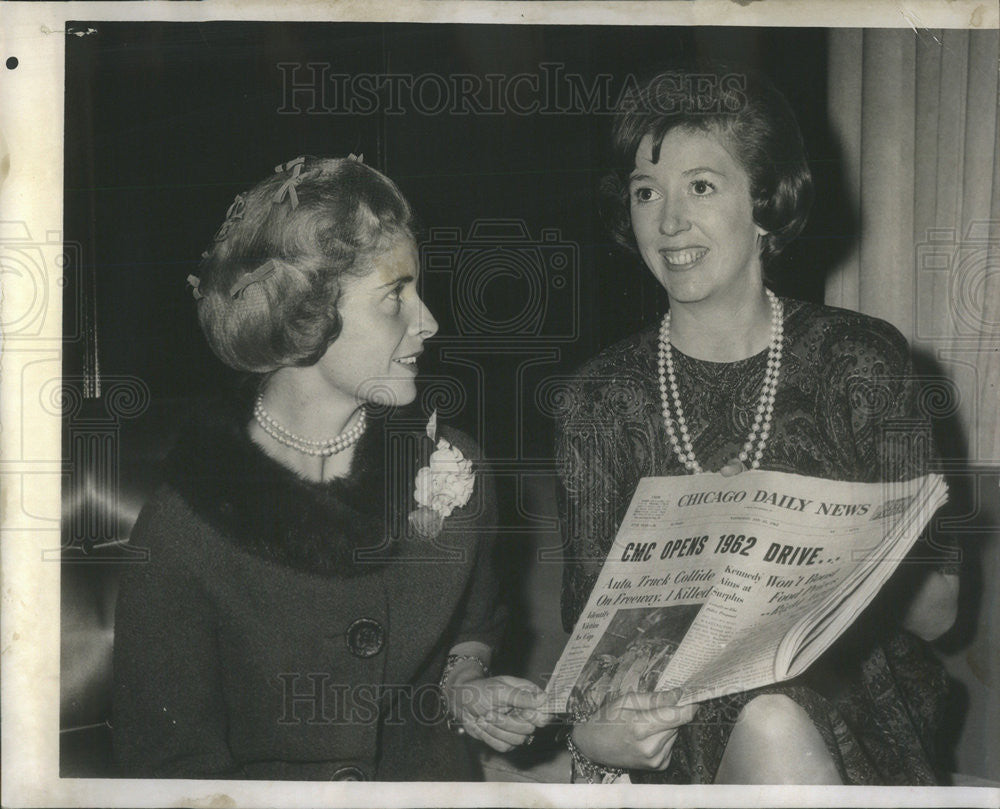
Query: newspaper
716	585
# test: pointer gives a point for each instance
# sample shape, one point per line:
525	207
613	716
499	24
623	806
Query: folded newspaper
717	585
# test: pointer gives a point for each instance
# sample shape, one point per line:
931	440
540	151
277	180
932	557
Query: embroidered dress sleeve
591	459
168	711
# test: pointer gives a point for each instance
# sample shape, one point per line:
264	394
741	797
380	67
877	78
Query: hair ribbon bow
288	187
195	282
265	270
233	214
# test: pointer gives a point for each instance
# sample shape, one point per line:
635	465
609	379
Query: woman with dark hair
711	183
318	601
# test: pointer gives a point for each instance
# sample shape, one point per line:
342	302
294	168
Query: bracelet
591	770
453	723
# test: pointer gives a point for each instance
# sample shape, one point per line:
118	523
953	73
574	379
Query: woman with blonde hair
318	601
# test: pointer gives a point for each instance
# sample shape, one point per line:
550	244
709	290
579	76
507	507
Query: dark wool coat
284	629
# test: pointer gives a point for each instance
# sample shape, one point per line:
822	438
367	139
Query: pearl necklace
324	446
761	428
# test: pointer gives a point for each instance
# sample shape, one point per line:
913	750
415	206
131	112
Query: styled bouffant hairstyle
753	120
270	283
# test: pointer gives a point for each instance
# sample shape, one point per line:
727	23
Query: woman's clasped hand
502	712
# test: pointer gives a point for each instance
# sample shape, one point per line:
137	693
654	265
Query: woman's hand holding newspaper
634	731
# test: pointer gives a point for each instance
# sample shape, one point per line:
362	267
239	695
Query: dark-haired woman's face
692	216
385	323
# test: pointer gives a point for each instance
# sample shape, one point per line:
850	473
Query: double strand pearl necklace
761	428
323	446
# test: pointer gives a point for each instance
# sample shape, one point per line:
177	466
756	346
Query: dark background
166	123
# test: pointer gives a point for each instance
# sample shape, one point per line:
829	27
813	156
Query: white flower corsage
443	485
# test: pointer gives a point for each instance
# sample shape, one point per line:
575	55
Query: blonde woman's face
385	323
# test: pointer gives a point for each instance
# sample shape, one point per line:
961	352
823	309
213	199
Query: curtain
916	116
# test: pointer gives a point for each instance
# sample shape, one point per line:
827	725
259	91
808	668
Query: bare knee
775	742
773	718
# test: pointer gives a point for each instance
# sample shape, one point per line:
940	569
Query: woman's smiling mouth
683	258
411	360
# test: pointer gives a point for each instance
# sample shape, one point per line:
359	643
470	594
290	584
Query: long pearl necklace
323	446
761	428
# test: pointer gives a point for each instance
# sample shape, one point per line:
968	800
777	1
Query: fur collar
267	510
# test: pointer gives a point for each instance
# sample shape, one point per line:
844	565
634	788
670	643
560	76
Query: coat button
365	637
350	773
